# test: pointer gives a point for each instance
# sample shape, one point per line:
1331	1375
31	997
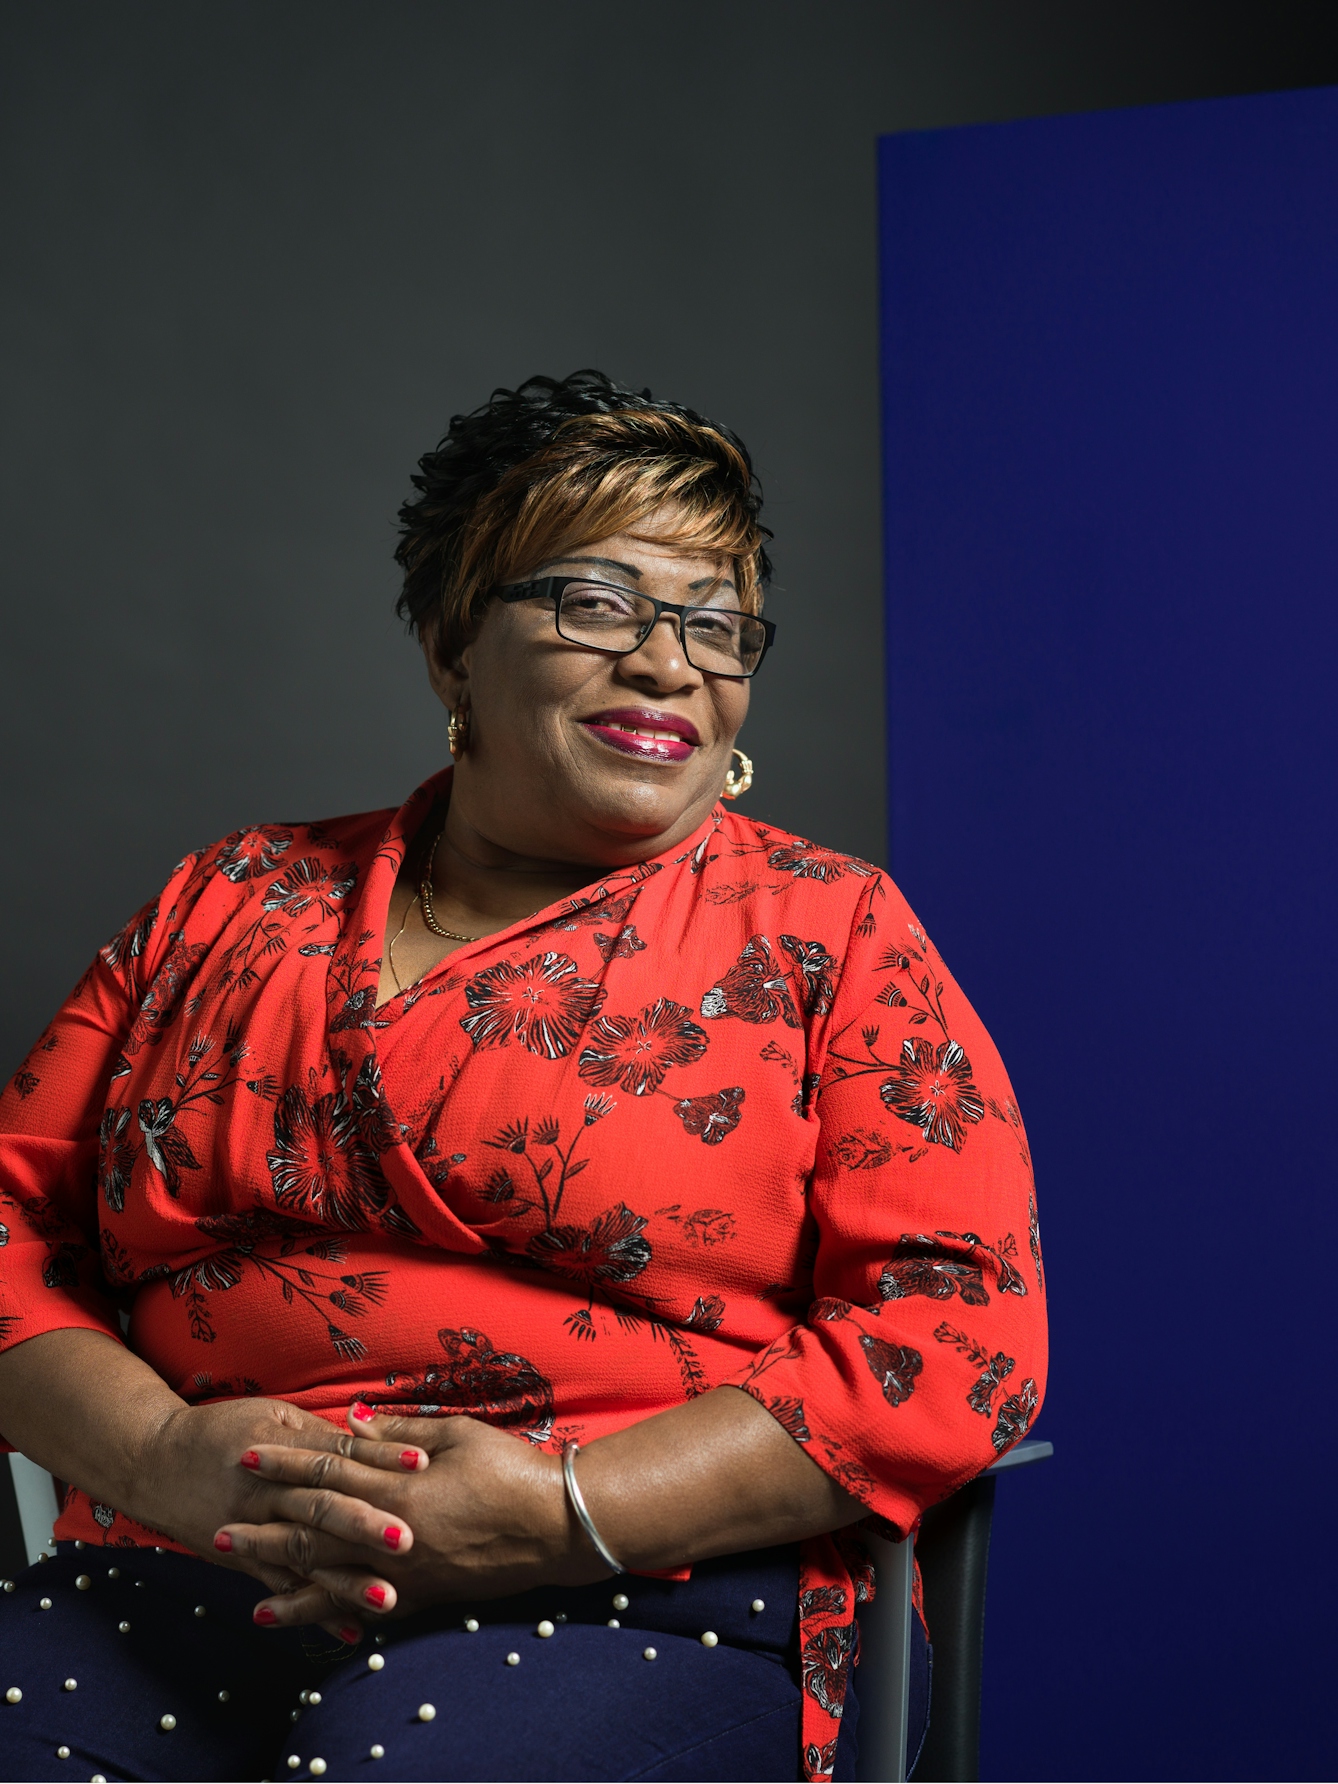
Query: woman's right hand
88	1409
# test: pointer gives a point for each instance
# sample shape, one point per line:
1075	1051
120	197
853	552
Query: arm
82	1405
490	1515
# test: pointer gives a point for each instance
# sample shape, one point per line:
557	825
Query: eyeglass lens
716	640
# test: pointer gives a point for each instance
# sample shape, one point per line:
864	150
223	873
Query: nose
660	660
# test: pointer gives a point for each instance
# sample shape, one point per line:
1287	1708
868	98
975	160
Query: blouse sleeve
56	1143
922	1357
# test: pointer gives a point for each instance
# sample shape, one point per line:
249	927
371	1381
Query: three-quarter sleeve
55	1143
922	1357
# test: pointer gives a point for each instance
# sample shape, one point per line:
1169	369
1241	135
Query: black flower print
497	1385
805	861
166	1148
252	852
61	1269
923	1266
117	1153
755	989
309	882
815	967
994	1370
163	998
711	1117
704	1226
25	1082
270	1244
822	1601
597	1107
788	1411
1015	1416
637	1051
321	1165
543	1003
825	1658
609	1251
707	1313
865	1149
820	1761
1034	1235
858	1564
829	1307
129	943
893	1366
622	945
931	1088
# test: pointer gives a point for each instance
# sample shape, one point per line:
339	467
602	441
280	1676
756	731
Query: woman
652	1144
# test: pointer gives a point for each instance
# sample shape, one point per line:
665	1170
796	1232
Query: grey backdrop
257	254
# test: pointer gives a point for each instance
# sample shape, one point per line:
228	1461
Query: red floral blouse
723	1117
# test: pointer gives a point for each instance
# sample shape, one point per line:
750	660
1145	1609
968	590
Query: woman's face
577	756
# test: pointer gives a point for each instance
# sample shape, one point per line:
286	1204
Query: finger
394	1458
328	1601
296	1548
432	1435
331	1493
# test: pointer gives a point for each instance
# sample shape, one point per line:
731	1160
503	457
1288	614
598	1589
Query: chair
28	1509
953	1548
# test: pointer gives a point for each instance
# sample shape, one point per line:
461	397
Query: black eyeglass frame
551	588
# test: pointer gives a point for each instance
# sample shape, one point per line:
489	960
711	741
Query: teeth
642	731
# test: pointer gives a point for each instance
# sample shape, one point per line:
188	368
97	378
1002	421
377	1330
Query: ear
449	675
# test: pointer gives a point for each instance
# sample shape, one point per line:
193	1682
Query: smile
650	736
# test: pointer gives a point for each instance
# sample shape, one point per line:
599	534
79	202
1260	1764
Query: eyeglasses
602	616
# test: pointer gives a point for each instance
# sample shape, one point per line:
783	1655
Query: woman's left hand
486	1517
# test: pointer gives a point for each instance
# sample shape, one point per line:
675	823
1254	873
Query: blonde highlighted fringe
600	475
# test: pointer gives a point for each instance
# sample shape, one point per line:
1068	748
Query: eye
713	622
594	600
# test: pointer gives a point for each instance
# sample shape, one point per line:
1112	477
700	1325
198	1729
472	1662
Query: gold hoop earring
735	784
457	731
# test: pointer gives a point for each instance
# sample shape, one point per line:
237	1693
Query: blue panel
1111	404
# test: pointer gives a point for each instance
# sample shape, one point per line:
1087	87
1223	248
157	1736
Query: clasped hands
416	1512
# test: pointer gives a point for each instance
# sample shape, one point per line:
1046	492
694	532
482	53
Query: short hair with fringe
535	472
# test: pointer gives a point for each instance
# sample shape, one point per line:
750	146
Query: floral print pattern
624	1143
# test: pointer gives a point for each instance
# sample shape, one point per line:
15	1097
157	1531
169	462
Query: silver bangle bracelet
578	1506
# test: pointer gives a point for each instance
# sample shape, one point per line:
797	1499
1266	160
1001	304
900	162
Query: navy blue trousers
584	1703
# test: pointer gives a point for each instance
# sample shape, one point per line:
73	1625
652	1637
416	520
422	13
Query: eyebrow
608	563
725	582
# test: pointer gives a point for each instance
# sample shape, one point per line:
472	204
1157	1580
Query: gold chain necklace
425	899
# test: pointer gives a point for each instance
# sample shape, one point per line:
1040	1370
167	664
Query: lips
641	731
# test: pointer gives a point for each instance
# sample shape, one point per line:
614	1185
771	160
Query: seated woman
477	1265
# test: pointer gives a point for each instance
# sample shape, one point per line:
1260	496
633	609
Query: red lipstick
644	732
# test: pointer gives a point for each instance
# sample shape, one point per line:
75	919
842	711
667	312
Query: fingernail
361	1412
223	1543
393	1536
250	1459
375	1596
350	1633
409	1460
263	1614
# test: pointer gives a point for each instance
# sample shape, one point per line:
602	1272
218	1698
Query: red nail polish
375	1596
263	1614
349	1634
362	1413
250	1459
409	1460
393	1536
223	1543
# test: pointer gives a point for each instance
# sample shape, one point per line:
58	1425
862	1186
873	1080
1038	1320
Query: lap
582	1703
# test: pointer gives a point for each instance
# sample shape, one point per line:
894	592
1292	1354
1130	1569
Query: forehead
655	565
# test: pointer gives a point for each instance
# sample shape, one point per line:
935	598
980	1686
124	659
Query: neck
483	876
